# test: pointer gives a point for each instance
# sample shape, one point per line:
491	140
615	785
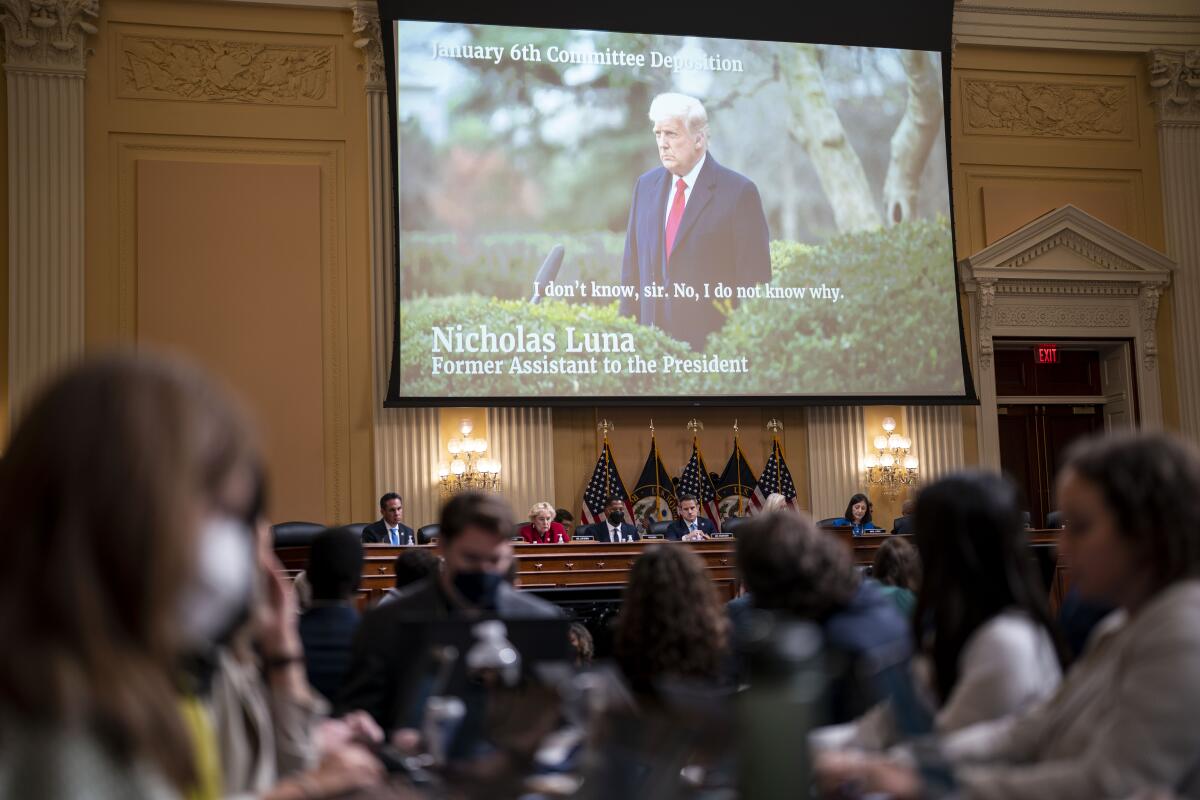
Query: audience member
986	642
541	528
857	516
1124	720
903	523
671	626
411	566
582	644
613	528
476	552
690	527
390	528
157	554
775	502
897	568
335	563
790	566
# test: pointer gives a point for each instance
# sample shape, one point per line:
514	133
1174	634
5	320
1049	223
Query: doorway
1050	395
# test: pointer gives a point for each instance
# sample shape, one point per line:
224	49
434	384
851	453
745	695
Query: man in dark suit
613	528
904	523
335	561
692	221
389	529
690	527
474	542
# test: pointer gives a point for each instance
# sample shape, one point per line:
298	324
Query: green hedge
502	265
419	317
895	282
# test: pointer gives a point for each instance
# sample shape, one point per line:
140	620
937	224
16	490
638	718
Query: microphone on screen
549	271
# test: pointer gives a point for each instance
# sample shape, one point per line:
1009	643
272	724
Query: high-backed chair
828	522
427	534
295	534
1054	519
660	528
356	528
732	524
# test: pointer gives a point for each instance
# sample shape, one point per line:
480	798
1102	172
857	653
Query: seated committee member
904	522
858	516
613	528
542	529
691	221
476	551
1123	722
389	529
690	527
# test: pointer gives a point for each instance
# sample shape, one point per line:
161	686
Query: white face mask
218	596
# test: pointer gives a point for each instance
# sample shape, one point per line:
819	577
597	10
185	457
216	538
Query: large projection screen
623	207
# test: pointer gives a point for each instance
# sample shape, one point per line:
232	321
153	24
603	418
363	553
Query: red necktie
676	215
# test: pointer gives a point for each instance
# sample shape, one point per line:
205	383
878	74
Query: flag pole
657	490
604	427
737	455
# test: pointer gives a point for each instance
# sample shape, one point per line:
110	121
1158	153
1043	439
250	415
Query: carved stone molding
1071	240
47	35
1038	108
1175	85
1150	294
167	68
1040	287
987	316
1062	316
366	26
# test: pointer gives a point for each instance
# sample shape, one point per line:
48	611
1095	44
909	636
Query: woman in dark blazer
542	529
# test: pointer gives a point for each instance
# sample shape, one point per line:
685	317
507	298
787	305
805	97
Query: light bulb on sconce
458	466
881	442
889	424
910	462
466	426
468	468
892	466
455	446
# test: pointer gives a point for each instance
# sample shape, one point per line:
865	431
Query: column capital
1175	85
366	25
48	35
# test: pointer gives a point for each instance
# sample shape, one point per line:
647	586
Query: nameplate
653	536
584	539
517	538
721	535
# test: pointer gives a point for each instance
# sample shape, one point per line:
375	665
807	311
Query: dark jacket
902	524
327	633
599	531
678	528
382	664
377	533
723	238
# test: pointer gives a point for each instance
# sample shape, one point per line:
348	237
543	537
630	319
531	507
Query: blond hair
538	507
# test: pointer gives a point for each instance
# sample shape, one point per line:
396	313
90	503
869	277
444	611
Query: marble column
45	62
1175	89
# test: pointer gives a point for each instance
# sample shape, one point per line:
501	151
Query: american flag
738	481
605	481
775	477
695	480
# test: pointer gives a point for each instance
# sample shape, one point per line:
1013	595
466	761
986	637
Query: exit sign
1046	353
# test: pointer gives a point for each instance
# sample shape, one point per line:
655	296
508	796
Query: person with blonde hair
541	528
775	502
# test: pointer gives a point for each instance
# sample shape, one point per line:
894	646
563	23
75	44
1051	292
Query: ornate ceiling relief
163	68
1175	84
1070	110
48	34
366	27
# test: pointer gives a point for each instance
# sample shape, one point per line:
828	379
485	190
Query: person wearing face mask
476	556
542	529
159	562
613	528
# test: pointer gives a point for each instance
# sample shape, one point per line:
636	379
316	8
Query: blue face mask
478	588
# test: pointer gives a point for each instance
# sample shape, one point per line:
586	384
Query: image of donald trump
692	221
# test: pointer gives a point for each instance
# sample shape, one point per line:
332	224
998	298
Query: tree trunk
913	138
838	166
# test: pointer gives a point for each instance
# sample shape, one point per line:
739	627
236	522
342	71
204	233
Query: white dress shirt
690	181
614	532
